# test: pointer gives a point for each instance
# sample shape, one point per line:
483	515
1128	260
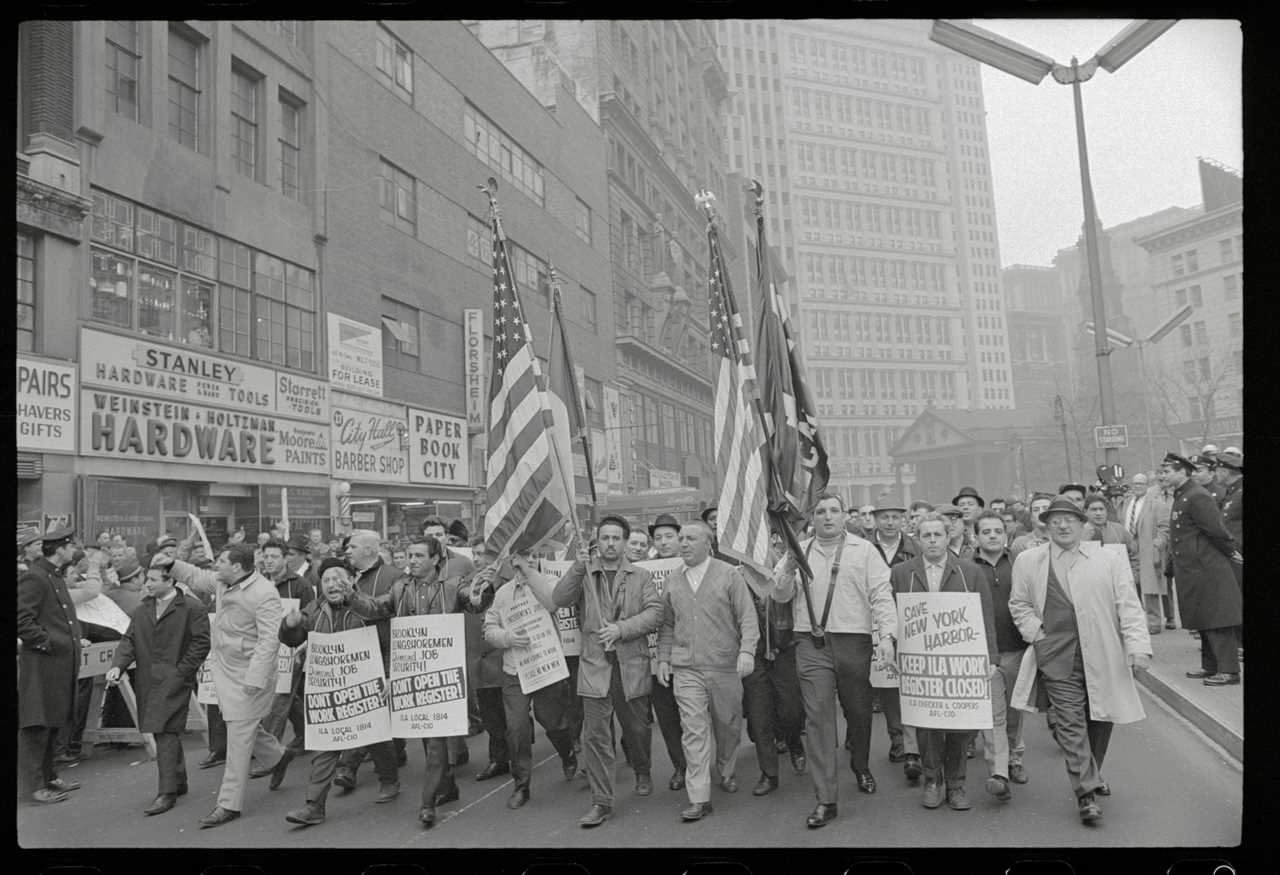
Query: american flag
790	415
741	448
526	496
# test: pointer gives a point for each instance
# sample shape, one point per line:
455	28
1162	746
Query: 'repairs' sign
45	406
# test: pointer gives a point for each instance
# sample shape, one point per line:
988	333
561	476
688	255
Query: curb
1223	735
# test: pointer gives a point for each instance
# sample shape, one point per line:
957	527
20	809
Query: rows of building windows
666	426
857	216
871	384
26	292
865	446
866	164
848	58
185	82
865	112
495	148
875	273
173	280
393	63
839	326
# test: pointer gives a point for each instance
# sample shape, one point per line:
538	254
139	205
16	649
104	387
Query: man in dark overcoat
169	637
1201	553
48	665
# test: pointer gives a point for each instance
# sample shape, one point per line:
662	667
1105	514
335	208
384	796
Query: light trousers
246	739
1002	744
710	704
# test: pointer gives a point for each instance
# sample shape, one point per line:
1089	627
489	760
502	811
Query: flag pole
565	477
579	406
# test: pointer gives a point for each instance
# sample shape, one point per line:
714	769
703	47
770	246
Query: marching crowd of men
1067	624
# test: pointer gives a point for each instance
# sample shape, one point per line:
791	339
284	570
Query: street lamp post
1027	64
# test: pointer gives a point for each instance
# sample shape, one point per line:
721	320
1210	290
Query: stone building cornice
51	208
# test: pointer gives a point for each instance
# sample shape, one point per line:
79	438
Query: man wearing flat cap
895	547
1201	552
1075	603
665	534
30	547
48	666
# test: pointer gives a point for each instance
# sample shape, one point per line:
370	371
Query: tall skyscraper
870	142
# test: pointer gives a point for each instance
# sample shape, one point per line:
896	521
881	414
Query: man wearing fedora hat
1074	602
665	534
895	547
1201	552
959	538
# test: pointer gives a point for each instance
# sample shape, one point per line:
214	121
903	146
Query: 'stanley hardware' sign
160	370
355	356
366	436
438	450
473	369
46	406
118	425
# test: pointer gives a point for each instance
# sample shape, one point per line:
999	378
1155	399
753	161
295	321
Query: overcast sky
1146	124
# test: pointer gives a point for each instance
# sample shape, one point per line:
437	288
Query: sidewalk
1218	712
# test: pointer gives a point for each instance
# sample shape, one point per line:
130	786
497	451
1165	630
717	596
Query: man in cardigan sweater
709	634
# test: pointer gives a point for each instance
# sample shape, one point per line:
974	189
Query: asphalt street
1151	767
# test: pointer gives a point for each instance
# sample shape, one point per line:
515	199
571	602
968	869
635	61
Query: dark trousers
943	753
69	736
597	744
324	765
170	762
573	707
841	669
286	710
437	779
1218	650
667	713
771	700
217	730
1082	739
550	709
891	706
494	717
35	757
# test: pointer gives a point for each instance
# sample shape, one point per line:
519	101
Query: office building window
124	56
184	89
1184	332
1202	332
1180	298
1176	262
244	123
492	146
1235	324
1226	250
26	293
582	220
1197	299
235	301
1230	287
479	241
589	309
394	63
157	236
399	202
1193	261
400	335
289	31
290	147
157	300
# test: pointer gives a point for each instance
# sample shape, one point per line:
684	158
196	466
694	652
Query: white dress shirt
695	573
933	574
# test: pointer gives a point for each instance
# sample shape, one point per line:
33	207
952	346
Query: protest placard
345	705
102	611
567	623
661	569
96	659
284	656
542	662
883	674
206	693
428	676
942	661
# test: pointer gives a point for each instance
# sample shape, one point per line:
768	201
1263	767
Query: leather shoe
896	756
213	759
463	758
1222	679
345	779
958	800
427	817
1201	673
696	811
66	759
934	794
798	762
518	798
63	785
160	804
866	782
644	785
277	773
218	817
182	790
677	781
969	751
912	768
570	766
596	815
1104	789
493	770
998	787
822	815
449	795
45	796
1017	773
402	757
1154	630
729	784
308	815
260	773
387	792
1090	811
764	786
1169	624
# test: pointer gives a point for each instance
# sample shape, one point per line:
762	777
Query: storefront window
111	283
157	291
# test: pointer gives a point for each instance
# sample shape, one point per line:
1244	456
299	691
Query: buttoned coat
1208	596
169	652
586	586
49	661
1233	511
1111	623
1153	541
958	575
244	642
688	635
